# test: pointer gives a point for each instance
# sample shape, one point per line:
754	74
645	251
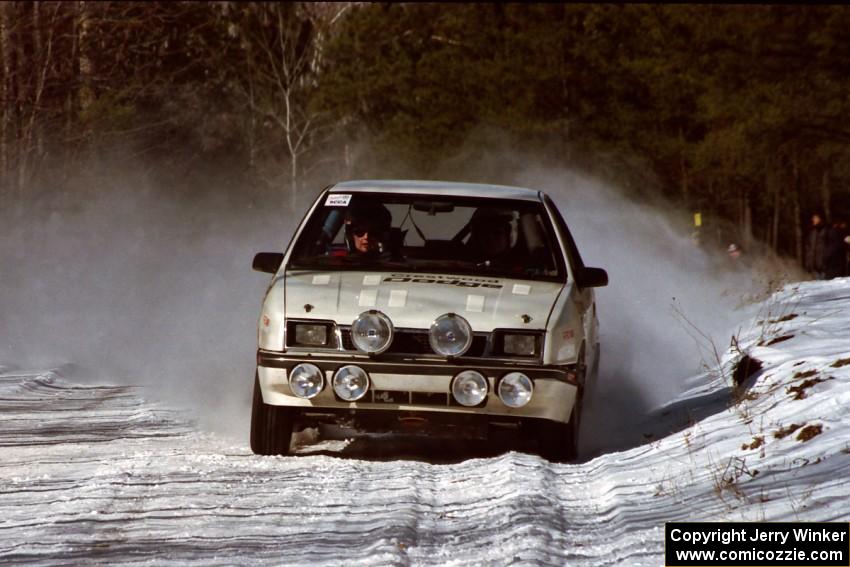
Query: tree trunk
71	96
346	160
6	94
22	92
774	232
39	66
798	227
739	214
252	130
826	196
771	188
85	94
747	232
293	181
35	138
683	171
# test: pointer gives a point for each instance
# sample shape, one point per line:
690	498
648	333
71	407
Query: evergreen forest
738	113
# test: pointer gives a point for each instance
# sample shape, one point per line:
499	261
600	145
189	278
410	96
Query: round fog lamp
469	388
306	380
450	335
351	383
372	332
515	389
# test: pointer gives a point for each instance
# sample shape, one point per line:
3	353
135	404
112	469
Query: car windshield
434	234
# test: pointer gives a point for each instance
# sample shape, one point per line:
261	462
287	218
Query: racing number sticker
338	200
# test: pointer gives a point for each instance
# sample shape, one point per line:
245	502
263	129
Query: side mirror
592	277
267	262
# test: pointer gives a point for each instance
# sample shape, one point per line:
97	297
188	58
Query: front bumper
421	386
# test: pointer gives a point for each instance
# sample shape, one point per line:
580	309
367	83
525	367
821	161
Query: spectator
816	247
733	251
835	250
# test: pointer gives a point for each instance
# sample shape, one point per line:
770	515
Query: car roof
415	187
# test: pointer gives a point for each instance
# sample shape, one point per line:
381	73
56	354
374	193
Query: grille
416	342
418	398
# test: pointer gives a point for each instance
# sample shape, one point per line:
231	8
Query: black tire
592	379
558	441
271	426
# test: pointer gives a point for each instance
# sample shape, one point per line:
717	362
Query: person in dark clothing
835	251
815	248
367	228
490	238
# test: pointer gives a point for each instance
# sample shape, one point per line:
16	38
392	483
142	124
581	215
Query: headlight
372	332
450	335
469	388
519	345
351	383
311	334
306	380
515	389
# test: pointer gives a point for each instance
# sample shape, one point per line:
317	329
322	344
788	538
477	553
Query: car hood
414	300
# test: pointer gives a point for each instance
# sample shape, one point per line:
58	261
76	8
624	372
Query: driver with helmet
367	228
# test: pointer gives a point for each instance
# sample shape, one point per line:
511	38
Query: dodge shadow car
451	308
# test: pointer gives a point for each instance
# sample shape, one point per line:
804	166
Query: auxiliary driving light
306	380
515	389
450	335
351	383
469	388
372	332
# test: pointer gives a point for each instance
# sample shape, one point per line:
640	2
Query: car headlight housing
520	344
351	383
515	389
372	332
306	380
309	334
450	335
469	388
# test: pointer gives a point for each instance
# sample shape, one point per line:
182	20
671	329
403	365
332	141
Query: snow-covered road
97	475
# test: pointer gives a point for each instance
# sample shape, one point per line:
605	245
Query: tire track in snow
96	475
44	410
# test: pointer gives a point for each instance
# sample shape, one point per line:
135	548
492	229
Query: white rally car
450	307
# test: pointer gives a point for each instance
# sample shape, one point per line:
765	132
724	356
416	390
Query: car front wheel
558	442
271	426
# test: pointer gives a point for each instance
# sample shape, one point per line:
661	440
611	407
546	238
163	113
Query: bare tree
281	46
84	65
41	61
5	93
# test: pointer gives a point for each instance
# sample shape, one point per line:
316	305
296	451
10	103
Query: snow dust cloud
131	279
668	304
